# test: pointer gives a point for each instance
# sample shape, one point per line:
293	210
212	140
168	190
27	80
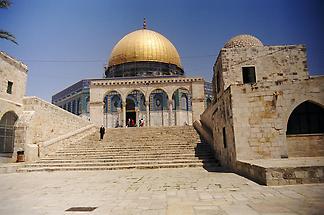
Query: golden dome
144	45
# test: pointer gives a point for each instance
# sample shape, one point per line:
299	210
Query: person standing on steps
102	132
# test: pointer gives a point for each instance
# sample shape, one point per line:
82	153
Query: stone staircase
129	148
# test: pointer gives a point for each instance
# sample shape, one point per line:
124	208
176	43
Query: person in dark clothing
102	132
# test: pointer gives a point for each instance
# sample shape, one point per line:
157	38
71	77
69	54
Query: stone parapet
303	170
41	121
51	146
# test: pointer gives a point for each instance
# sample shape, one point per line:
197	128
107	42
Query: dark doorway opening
131	119
307	118
7	132
130	113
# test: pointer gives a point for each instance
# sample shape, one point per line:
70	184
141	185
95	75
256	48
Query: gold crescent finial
144	24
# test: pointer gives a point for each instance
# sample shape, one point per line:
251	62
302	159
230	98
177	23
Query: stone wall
261	112
15	72
42	121
219	120
311	145
272	63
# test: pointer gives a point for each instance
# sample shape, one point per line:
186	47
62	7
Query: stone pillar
170	112
119	119
96	113
137	116
197	100
124	114
147	115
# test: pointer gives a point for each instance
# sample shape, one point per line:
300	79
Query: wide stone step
119	163
149	153
118	147
104	160
165	156
130	147
143	166
130	150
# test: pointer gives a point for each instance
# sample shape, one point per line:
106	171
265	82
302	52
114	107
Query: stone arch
177	97
112	109
155	96
158	106
7	132
139	97
112	101
111	91
182	87
305	140
287	111
132	90
135	107
181	100
306	118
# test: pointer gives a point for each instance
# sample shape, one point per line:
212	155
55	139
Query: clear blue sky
63	42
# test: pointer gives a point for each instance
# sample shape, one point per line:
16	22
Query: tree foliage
4	4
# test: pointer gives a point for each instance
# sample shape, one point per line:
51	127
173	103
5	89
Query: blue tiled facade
75	98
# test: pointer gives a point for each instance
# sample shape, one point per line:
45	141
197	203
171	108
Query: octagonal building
143	80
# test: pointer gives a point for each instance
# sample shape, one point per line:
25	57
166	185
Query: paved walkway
162	191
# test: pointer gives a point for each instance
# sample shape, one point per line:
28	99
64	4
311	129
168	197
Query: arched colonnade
155	107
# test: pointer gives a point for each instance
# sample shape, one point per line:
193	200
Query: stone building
75	98
30	124
144	79
13	75
266	106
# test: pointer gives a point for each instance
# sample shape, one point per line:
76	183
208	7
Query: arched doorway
7	132
159	108
130	112
112	110
135	107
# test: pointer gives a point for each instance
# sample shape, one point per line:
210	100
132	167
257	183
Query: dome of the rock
144	53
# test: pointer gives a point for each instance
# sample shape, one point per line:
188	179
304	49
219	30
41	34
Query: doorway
130	113
7	132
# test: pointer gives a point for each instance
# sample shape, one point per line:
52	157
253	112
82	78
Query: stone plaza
159	191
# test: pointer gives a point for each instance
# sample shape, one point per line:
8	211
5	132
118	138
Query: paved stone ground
157	191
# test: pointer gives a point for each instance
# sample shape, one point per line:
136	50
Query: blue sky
63	42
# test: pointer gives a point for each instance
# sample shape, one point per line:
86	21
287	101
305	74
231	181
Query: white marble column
124	114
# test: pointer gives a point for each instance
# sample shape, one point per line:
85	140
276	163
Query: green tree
5	4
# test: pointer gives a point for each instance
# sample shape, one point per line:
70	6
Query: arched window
307	118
